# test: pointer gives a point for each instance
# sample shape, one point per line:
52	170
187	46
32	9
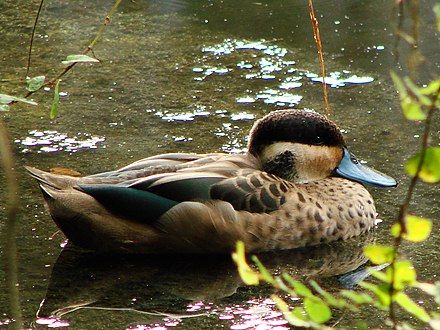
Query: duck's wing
256	192
149	198
154	194
234	179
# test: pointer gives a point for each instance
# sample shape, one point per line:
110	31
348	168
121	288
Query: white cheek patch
311	162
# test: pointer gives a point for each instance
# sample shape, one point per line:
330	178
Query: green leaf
411	97
247	274
4	107
358	298
411	307
300	289
327	296
430	171
431	89
56	101
400	86
380	275
382	292
295	318
437	15
35	83
264	273
317	309
417	229
79	59
412	110
278	283
6	99
404	274
379	254
416	91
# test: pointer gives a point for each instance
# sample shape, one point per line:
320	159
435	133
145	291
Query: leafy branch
317	303
37	83
7	160
418	104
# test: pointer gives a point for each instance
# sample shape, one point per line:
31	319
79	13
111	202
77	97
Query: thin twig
107	21
400	18
414	57
317	37
10	260
32	38
89	48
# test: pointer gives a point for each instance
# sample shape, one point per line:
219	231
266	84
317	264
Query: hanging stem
317	37
10	260
89	48
28	66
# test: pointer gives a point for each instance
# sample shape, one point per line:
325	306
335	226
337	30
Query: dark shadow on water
168	283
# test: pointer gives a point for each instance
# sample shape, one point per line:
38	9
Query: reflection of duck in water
88	280
298	185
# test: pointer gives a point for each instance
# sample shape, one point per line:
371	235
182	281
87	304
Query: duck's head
303	146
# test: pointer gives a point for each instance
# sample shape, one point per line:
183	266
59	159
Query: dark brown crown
296	126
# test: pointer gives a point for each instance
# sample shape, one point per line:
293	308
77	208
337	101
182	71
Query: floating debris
242	116
340	79
245	99
290	83
200	111
279	98
53	141
263	60
209	70
181	139
263	64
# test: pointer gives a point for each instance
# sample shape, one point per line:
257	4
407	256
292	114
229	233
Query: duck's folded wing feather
171	159
148	198
255	192
166	163
133	204
180	186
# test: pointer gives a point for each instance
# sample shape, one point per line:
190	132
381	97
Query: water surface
193	76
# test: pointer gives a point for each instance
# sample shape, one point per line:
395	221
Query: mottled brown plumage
205	203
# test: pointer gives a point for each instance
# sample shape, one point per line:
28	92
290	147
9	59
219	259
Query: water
193	76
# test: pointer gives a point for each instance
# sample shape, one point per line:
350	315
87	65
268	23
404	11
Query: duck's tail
49	182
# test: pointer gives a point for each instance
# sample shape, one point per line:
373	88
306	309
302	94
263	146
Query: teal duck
298	185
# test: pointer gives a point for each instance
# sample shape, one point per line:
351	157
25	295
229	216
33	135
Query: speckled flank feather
205	203
312	214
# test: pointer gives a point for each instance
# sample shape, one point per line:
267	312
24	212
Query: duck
297	185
